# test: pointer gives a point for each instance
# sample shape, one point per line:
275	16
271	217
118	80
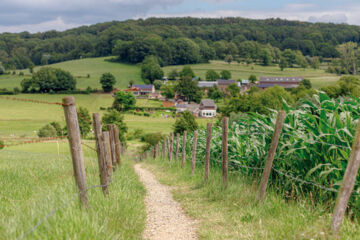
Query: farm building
139	90
285	82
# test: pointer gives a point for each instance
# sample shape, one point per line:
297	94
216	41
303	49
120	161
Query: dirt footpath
165	218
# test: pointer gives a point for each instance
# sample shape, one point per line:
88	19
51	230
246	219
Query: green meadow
94	67
318	77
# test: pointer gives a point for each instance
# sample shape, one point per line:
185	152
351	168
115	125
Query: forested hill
176	40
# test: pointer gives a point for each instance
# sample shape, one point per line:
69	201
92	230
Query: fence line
40	140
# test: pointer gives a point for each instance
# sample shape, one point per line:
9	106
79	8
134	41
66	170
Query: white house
207	108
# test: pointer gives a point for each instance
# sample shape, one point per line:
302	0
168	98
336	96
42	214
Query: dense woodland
178	41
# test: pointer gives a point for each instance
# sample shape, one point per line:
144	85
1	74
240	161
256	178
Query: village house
285	82
141	90
155	95
194	108
223	84
207	108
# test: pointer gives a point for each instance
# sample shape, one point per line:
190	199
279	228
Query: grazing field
234	212
37	178
319	78
80	69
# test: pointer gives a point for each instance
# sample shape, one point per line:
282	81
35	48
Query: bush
107	81
114	117
146	114
151	139
2	144
57	127
84	121
185	122
47	131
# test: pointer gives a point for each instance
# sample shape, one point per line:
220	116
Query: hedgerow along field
80	69
318	77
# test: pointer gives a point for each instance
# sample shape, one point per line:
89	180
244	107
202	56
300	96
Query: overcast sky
42	15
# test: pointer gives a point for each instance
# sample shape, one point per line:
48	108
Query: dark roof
281	79
149	86
266	85
206	84
225	82
208	103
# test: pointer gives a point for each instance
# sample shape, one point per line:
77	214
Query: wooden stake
347	185
107	148
177	146
110	128
74	137
270	158
193	156
183	149
163	149
100	152
225	132
117	145
171	146
207	155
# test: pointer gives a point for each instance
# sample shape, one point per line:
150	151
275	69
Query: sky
43	15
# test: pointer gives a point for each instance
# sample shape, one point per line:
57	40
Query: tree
214	93
185	122
168	89
229	58
349	56
51	80
283	64
315	63
2	69
301	60
151	139
114	117
187	72
47	131
225	74
151	70
107	81
84	121
59	130
173	74
253	78
189	89
266	57
124	101
306	83
211	75
2	144
233	89
158	84
290	57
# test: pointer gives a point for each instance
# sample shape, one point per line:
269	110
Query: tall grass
35	179
315	146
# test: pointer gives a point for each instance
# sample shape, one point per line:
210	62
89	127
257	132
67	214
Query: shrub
84	121
47	131
114	117
185	122
107	81
2	144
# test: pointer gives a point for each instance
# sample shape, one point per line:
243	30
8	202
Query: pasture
80	69
319	77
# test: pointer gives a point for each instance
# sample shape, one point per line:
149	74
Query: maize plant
315	146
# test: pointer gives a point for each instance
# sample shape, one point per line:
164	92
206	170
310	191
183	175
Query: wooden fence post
177	146
171	146
225	132
74	137
347	185
117	145
163	149
207	155
271	154
107	148
193	156
183	149
100	152
168	145
110	128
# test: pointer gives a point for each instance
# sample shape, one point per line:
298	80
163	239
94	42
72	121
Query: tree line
178	41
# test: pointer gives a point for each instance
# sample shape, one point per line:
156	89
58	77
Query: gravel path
165	218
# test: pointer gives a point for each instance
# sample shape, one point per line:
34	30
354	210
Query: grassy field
95	67
319	78
36	178
233	213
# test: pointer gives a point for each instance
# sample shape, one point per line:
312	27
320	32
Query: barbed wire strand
52	212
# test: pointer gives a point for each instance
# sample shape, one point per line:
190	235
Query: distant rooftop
281	79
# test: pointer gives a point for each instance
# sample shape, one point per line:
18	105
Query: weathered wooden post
207	155
183	149
163	149
107	148
117	145
193	155
74	137
100	153
347	185
171	146
177	146
225	132
271	154
110	128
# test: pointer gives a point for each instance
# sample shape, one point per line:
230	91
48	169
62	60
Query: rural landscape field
178	127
